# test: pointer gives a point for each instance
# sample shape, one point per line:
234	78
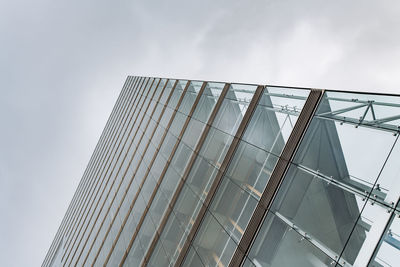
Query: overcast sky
63	64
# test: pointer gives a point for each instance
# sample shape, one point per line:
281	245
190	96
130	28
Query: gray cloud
62	65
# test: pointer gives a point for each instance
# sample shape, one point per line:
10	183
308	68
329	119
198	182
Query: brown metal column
185	174
94	157
119	169
104	160
104	170
167	163
141	185
94	168
220	174
130	182
116	212
276	177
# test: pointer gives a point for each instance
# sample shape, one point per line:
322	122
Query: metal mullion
138	165
148	171
95	164
383	234
276	178
116	212
95	155
124	128
77	210
137	130
103	154
97	181
185	174
239	133
102	205
189	116
108	145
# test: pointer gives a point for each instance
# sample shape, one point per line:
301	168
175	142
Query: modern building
194	173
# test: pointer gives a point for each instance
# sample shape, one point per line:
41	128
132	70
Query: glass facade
197	173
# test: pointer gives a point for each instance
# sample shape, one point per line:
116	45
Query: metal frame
218	178
134	153
130	182
103	173
86	197
381	123
101	166
119	168
186	173
385	230
95	168
167	163
93	158
146	175
276	178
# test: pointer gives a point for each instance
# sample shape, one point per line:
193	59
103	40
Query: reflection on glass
190	97
193	259
251	168
279	244
213	244
216	146
233	207
326	212
207	101
355	133
388	250
159	257
388	182
365	235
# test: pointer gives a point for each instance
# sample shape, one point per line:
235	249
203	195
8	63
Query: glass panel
167	91
251	168
193	259
345	153
388	250
388	182
158	207
176	94
190	97
213	244
207	101
234	107
180	222
170	182
216	146
159	257
181	158
171	236
187	207
193	132
366	110
279	244
201	177
168	145
135	255
166	117
159	89
146	232
232	207
177	124
365	236
324	211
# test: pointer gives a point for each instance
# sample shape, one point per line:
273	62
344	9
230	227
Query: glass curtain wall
183	167
338	198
